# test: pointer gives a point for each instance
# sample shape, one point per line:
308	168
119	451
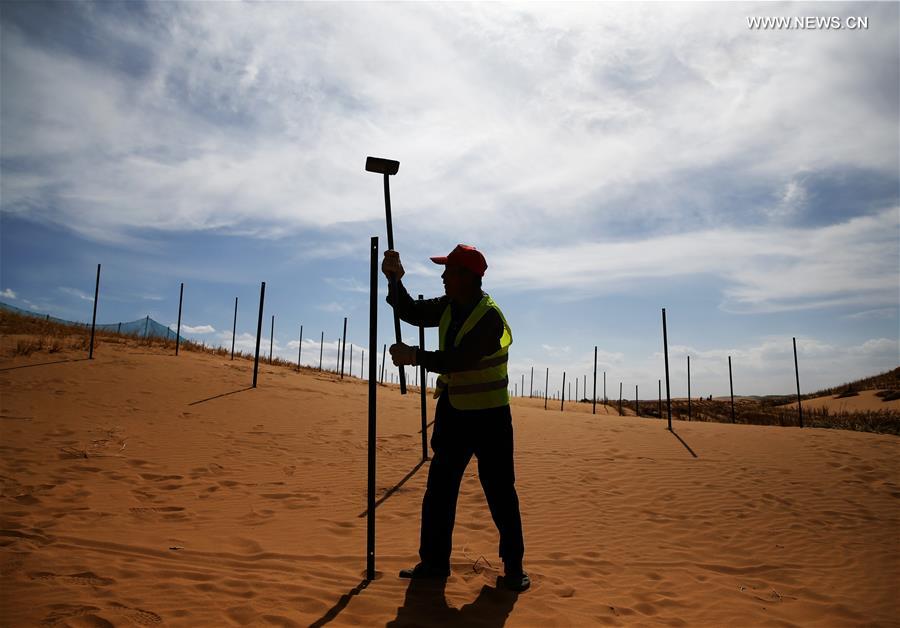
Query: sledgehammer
387	167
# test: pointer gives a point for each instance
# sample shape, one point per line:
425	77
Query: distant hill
889	380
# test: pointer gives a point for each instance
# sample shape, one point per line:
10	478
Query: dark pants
457	435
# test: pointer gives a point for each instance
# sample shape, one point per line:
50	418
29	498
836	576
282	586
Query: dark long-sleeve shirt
483	339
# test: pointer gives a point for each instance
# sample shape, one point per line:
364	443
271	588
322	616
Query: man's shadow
425	605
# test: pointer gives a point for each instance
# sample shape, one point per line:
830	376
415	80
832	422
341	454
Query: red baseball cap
466	256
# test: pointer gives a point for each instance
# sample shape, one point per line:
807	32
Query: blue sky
608	159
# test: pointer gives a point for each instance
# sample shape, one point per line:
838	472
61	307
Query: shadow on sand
391	490
25	366
332	612
425	605
194	403
685	444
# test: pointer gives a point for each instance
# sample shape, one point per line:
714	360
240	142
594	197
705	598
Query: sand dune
148	489
866	400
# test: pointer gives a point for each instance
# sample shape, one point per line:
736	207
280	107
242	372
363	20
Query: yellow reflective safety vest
485	385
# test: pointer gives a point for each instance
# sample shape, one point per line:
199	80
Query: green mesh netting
142	327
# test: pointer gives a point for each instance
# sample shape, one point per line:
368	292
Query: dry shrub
27	346
764	413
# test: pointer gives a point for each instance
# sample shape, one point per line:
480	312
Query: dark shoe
517	581
423	570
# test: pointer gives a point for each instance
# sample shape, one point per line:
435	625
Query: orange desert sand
141	488
866	400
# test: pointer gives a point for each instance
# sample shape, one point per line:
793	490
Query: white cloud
35	306
346	284
332	306
876	314
878	346
76	293
188	329
764	270
501	107
8	294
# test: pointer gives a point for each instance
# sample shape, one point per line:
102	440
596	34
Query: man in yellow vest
472	415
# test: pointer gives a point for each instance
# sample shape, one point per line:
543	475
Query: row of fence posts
119	328
342	346
636	393
342	343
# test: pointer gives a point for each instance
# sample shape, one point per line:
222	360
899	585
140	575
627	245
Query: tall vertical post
797	375
689	387
531	385
546	387
271	339
262	299
637	409
422	388
659	406
343	347
594	410
321	346
178	333
94	319
383	353
620	398
234	331
300	348
373	344
731	388
562	392
666	353
394	284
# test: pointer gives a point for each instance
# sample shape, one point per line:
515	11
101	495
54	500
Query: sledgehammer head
382	166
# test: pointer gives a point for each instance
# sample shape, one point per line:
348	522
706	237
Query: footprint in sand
166	509
138	615
86	578
62	612
169	513
160	478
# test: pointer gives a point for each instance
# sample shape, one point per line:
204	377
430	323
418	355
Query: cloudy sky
609	160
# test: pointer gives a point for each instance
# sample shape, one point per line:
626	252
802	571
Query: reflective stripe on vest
486	384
